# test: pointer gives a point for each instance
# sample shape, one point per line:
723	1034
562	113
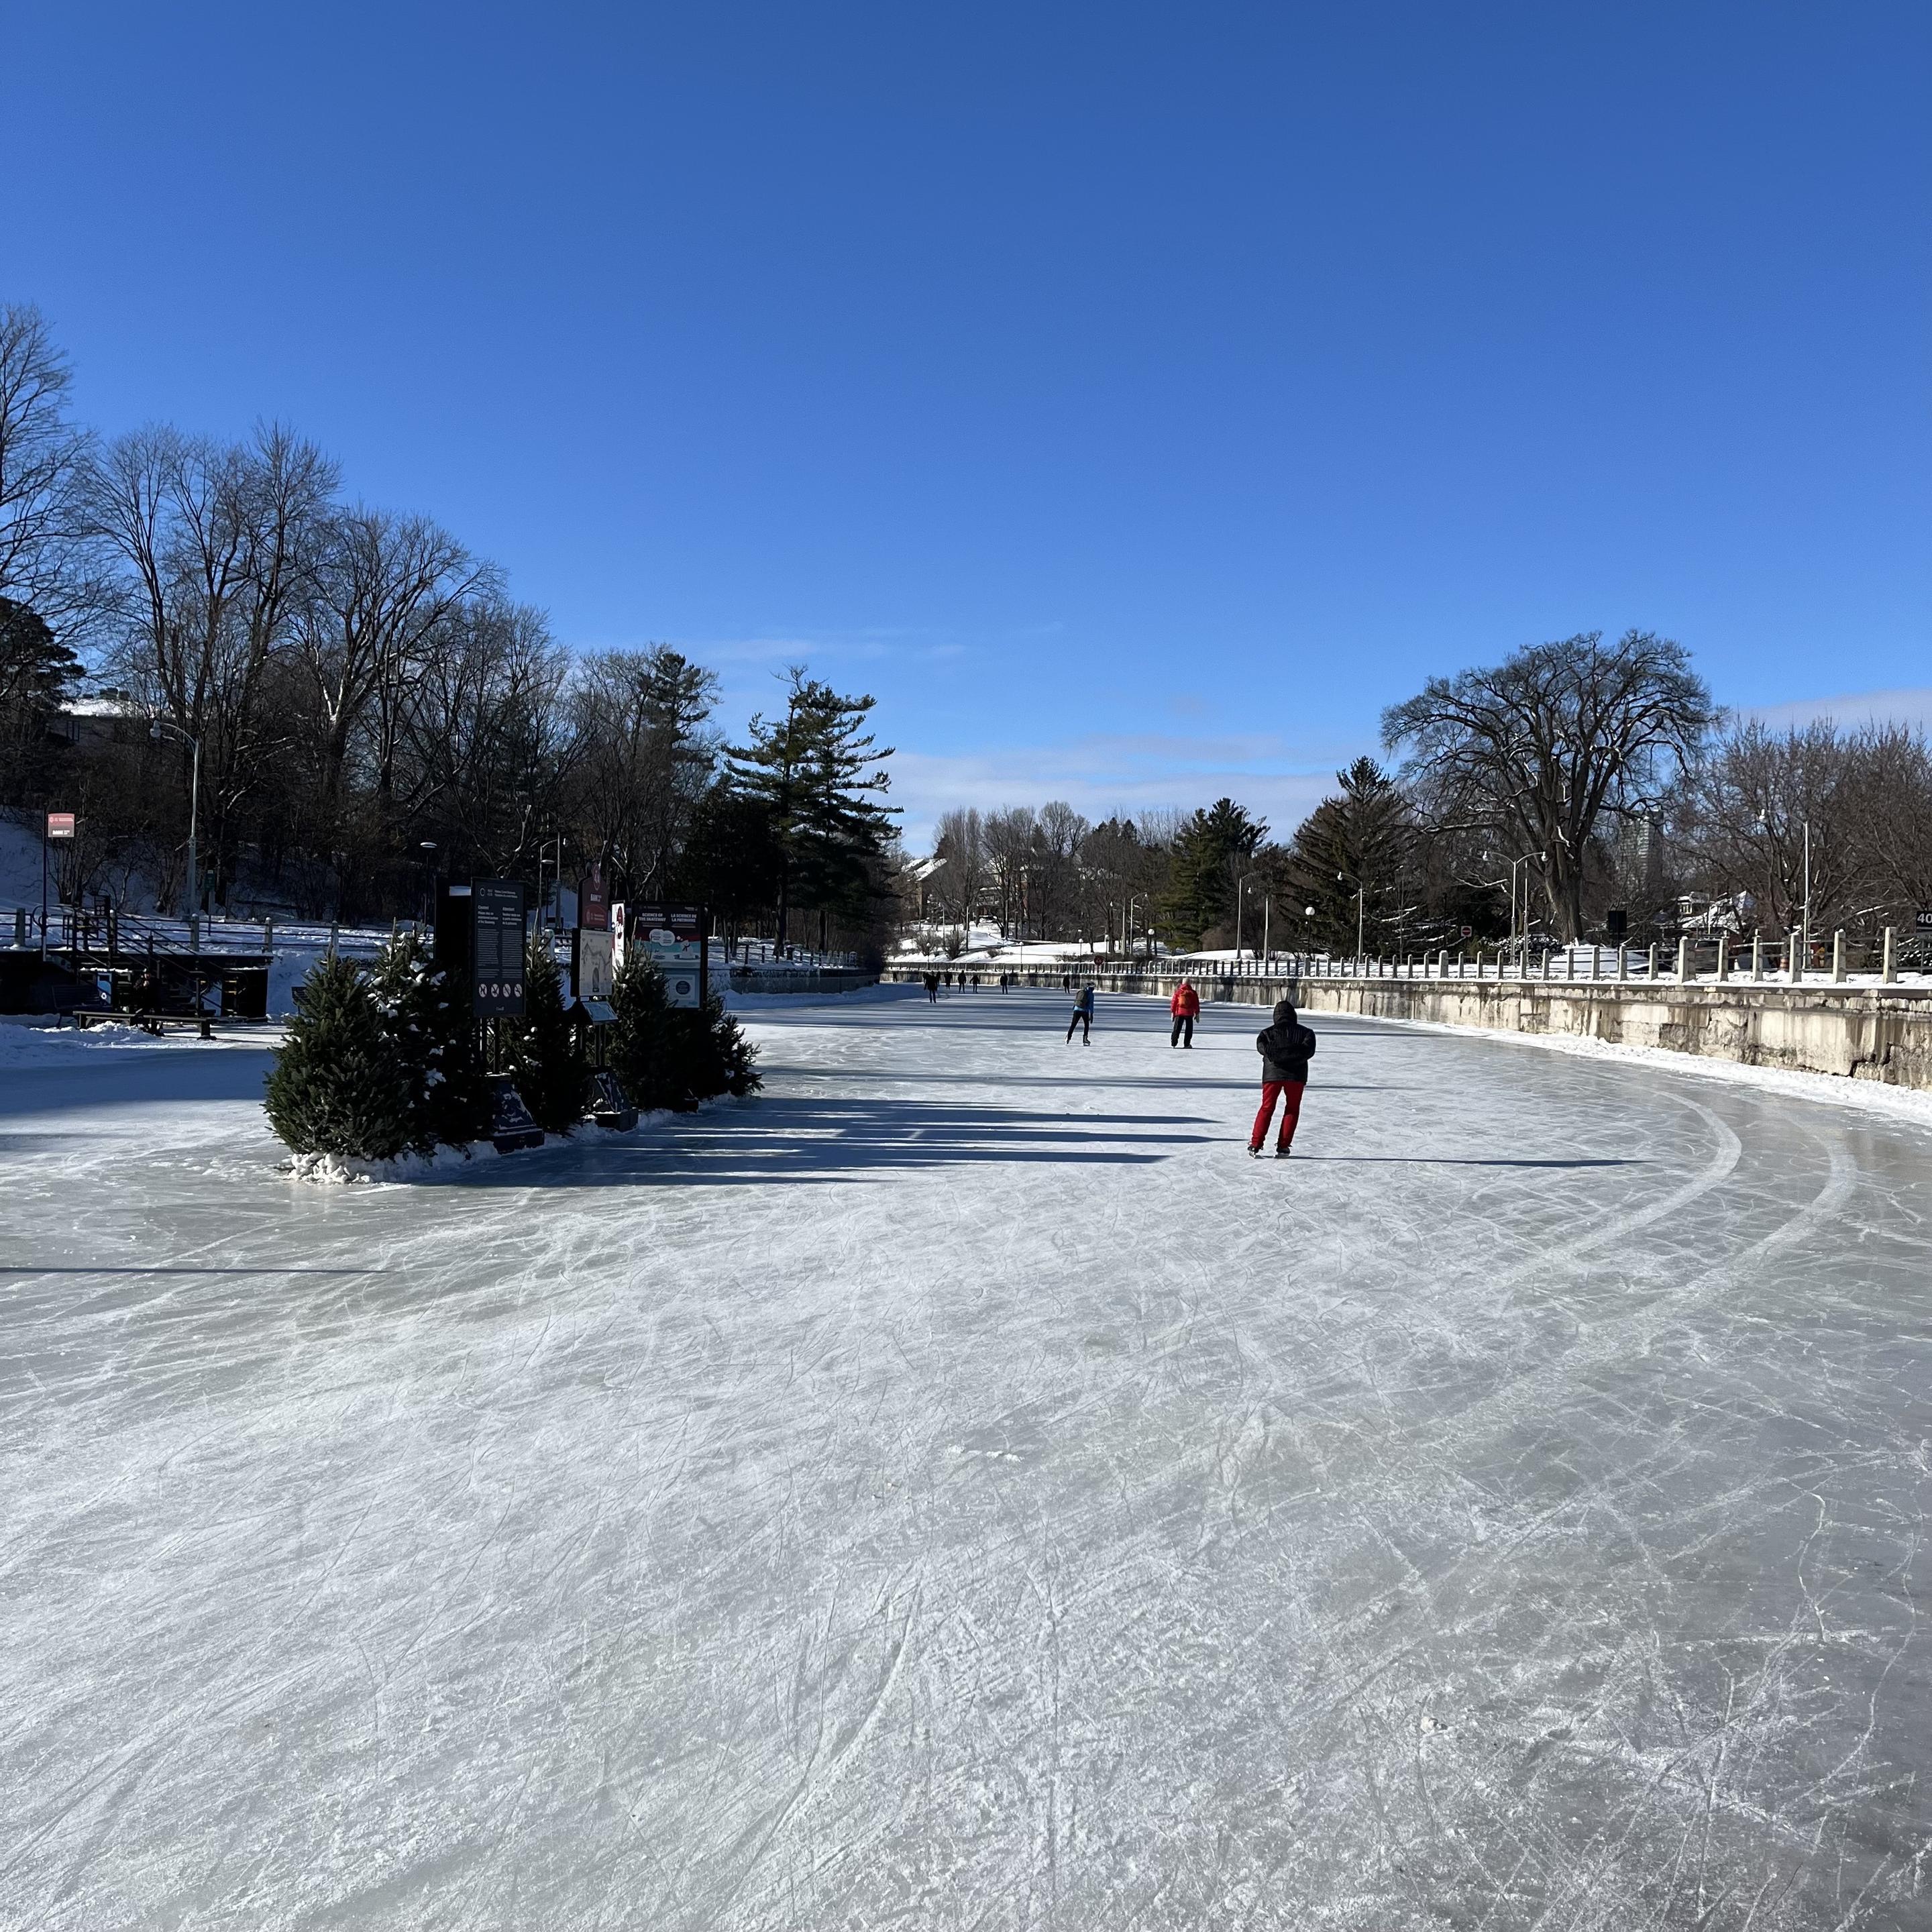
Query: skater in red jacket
1186	1008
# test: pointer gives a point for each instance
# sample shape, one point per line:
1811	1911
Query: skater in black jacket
1284	1047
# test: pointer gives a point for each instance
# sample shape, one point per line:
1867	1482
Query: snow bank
1834	1089
450	1164
739	1002
446	1163
24	1044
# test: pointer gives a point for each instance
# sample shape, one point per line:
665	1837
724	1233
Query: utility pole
156	728
1807	891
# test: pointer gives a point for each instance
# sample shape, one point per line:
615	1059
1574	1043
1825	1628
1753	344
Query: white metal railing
1575	965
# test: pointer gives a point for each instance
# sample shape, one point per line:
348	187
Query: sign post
496	949
593	901
58	825
479	943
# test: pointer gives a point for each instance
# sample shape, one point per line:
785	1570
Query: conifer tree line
374	706
1573	781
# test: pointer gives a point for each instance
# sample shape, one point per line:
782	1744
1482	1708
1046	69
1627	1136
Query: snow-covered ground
960	1489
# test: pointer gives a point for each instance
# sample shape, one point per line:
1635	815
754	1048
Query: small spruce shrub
673	1056
434	1036
336	1087
550	1073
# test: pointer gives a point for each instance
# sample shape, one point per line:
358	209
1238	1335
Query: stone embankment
1870	1032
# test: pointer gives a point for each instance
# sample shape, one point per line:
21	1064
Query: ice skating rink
961	1490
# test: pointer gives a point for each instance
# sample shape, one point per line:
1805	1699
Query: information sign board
672	936
591	968
60	825
1924	920
496	949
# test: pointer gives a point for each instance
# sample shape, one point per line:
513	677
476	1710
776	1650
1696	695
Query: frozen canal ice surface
960	1489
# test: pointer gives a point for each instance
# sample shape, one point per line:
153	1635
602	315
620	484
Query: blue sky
1135	399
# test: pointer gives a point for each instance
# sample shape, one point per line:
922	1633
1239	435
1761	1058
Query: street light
1520	946
157	727
1361	909
1240	893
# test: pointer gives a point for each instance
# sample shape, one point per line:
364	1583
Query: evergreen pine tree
551	1072
1360	836
434	1042
1213	850
820	779
336	1087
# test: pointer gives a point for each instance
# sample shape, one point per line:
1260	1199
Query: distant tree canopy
1535	798
372	710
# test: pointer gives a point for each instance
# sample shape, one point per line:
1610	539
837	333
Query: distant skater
1083	1017
1186	1008
932	989
1284	1048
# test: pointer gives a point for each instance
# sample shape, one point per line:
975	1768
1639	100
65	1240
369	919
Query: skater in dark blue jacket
1083	1017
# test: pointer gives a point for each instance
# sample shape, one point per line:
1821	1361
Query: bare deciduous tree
1541	748
44	559
960	847
1864	796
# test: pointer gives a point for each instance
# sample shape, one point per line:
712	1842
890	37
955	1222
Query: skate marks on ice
1019	1542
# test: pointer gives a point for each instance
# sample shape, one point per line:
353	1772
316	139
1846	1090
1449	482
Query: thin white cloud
1912	705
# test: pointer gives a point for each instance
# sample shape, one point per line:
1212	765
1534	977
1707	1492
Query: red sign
593	901
60	825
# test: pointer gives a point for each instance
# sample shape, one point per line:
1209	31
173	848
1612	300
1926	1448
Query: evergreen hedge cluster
386	1061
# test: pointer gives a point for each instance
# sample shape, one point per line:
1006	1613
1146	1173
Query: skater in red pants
1284	1047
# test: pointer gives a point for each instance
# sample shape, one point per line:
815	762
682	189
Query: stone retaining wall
1862	1033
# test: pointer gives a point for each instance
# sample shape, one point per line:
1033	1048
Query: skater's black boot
1254	1153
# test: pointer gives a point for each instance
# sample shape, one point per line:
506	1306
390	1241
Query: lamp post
1240	893
1361	911
428	845
1520	936
157	727
1127	925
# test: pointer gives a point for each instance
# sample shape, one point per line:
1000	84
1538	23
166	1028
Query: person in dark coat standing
1186	1008
1284	1048
1083	1017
